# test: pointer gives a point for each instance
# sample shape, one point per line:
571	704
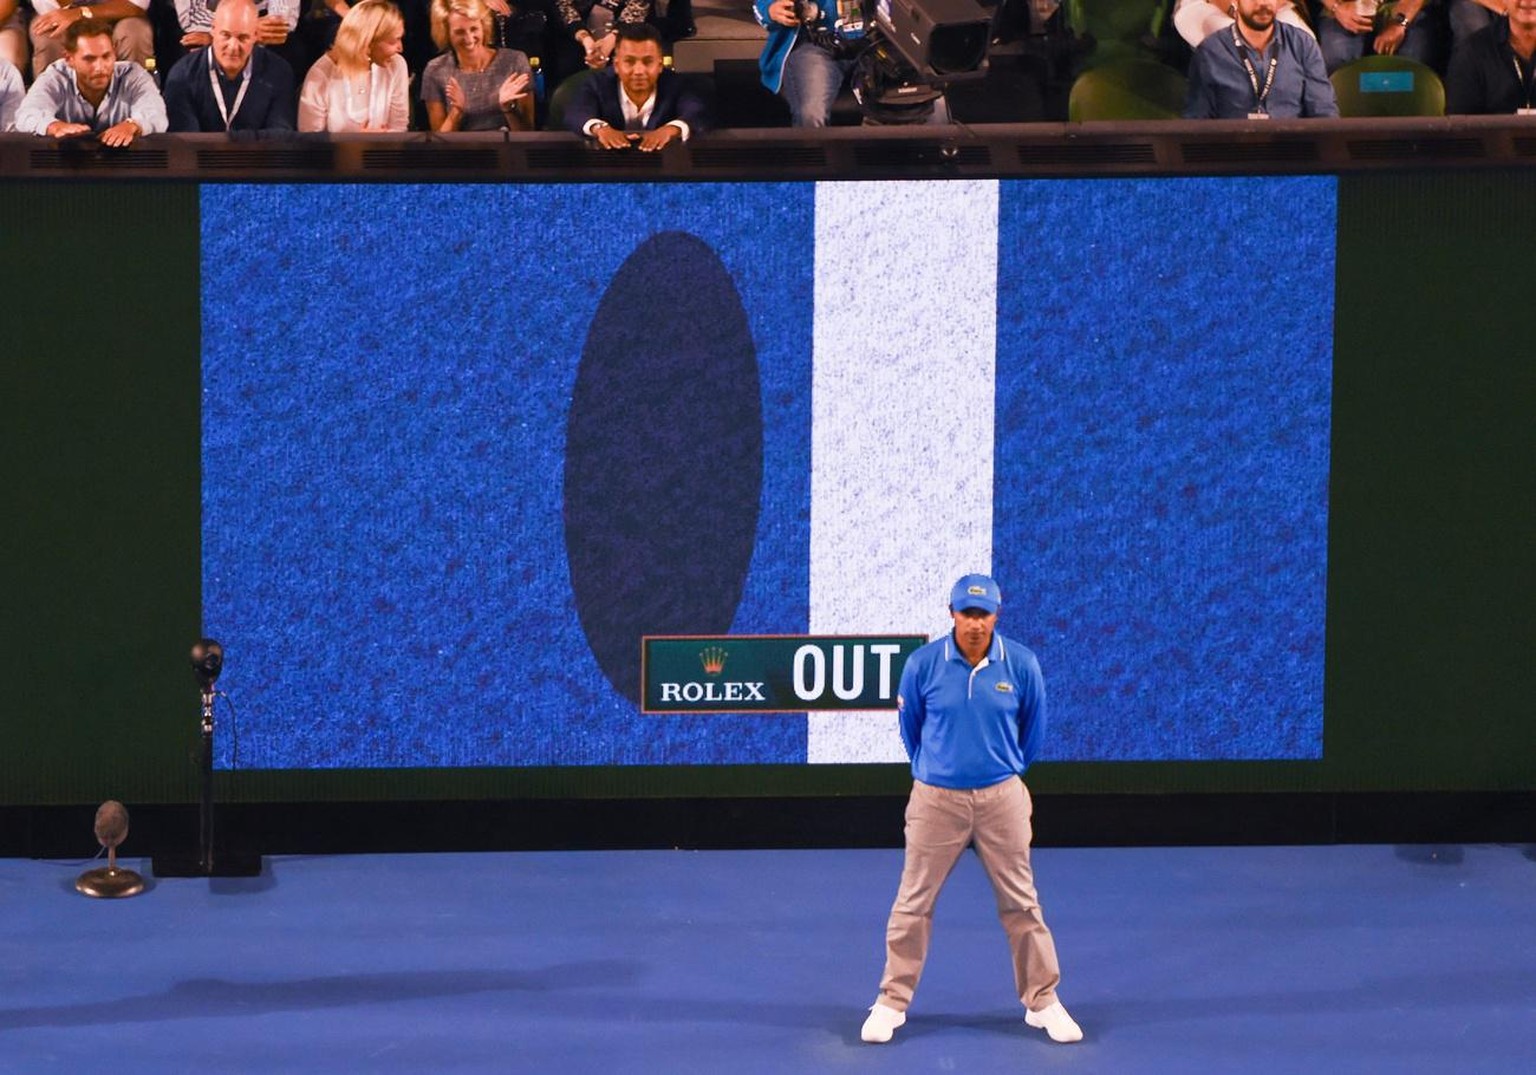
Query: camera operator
816	47
810	54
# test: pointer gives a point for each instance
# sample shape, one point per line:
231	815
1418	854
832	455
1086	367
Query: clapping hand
513	89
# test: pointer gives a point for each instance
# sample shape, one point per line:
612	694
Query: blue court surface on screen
463	445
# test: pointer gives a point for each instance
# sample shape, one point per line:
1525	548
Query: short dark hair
637	31
83	27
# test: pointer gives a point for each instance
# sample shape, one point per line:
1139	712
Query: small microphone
111	824
109	882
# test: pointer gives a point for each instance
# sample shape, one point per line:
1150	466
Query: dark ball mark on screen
664	455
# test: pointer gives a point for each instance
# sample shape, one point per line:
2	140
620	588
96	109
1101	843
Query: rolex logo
713	660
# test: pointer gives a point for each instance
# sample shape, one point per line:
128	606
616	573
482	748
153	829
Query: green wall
99	482
1430	674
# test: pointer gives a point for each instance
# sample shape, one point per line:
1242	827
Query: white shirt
376	101
635	116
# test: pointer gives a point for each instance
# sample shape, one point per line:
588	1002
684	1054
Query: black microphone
207	663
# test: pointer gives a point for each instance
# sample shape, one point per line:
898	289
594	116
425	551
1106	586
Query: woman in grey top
473	86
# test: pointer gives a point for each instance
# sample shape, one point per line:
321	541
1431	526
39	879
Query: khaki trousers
940	823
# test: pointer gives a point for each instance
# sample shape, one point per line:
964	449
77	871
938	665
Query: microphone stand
229	863
205	808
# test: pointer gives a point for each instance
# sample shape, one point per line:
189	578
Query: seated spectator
1494	70
235	84
322	18
1198	19
361	83
132	37
1257	69
90	91
13	34
276	25
591	26
474	86
1349	29
11	93
637	102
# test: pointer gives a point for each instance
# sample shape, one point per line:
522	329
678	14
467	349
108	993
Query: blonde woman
361	83
474	86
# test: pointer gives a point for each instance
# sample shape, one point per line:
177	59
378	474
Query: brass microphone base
110	883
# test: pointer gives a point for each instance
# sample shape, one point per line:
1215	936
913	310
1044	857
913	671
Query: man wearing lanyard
972	715
234	84
1494	70
1259	68
276	25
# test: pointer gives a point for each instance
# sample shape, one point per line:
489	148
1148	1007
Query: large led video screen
464	445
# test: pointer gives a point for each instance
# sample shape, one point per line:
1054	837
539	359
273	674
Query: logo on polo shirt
1006	688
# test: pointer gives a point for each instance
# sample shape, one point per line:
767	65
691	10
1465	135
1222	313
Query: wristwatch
1401	20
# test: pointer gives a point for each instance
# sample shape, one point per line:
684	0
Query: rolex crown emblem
713	659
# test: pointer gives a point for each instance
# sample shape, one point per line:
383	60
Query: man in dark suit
637	102
234	84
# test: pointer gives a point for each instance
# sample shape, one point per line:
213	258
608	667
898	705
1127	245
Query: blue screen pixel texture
1161	468
387	377
387	372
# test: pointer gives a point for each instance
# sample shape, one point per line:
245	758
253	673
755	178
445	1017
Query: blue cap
976	591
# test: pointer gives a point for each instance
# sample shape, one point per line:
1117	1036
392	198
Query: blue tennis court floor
1273	959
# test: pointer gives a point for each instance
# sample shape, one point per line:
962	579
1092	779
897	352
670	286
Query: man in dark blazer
637	102
234	84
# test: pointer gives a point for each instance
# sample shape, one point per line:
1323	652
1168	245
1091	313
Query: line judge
972	715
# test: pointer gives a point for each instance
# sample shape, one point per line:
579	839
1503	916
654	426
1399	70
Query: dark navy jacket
598	98
269	105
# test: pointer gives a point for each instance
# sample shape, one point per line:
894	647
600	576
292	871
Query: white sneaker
1054	1021
882	1023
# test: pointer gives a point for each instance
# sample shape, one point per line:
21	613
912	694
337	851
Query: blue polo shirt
970	727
